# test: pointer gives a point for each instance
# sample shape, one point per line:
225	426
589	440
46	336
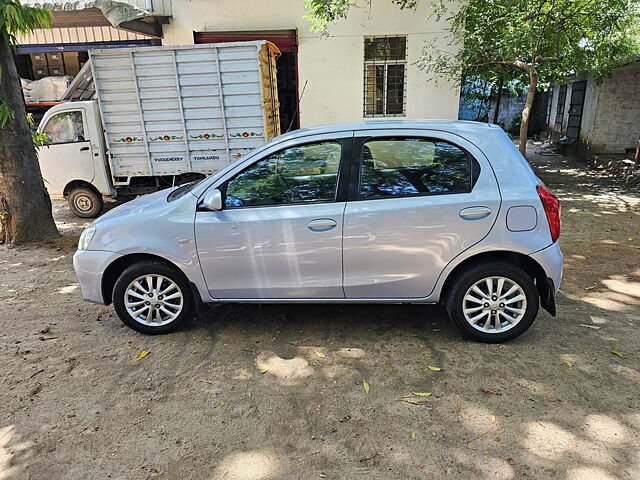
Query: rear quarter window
394	167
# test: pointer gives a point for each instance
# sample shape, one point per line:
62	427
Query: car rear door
416	201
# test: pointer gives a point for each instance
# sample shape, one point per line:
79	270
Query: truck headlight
86	236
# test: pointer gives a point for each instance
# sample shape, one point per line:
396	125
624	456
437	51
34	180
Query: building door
287	66
576	105
562	99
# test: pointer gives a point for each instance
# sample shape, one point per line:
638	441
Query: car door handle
321	224
475	213
84	149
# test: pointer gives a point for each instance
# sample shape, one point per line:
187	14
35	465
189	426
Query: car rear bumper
90	266
551	260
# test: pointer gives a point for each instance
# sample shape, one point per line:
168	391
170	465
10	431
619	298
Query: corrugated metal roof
82	34
116	12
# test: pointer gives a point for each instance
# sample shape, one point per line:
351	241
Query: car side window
302	174
395	167
65	127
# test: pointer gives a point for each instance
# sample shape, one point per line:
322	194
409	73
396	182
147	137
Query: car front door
279	234
68	155
415	203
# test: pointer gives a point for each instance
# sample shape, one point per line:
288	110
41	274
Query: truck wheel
85	202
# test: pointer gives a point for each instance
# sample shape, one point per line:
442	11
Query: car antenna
297	109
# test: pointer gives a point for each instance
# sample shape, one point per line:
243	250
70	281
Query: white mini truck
158	117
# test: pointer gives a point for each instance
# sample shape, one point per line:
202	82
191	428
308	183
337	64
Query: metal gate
576	105
562	98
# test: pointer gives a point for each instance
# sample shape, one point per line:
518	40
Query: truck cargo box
175	109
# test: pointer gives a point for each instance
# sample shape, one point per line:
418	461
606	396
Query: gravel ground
252	392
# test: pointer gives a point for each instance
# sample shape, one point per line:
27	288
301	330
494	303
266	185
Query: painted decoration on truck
166	138
206	136
237	155
246	134
127	139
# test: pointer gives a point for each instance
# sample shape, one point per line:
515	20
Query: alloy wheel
153	300
494	304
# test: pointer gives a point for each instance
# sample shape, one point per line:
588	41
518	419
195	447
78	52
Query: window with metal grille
385	76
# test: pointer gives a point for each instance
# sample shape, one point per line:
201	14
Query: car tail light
551	206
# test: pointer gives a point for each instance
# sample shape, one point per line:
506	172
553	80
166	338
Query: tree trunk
25	207
526	111
498	100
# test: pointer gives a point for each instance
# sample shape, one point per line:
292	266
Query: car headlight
86	236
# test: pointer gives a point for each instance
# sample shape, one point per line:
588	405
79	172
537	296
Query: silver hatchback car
391	211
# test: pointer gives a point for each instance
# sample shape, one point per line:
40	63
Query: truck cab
74	165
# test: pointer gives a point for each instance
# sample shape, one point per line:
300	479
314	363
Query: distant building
365	69
602	118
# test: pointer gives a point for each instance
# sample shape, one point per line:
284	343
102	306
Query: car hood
143	205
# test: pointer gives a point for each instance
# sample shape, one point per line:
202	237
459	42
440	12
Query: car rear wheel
153	298
493	302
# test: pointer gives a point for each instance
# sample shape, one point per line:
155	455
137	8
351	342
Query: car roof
453	126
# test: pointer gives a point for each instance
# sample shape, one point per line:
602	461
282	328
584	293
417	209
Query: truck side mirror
212	200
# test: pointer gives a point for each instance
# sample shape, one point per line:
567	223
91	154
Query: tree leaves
16	18
142	354
365	385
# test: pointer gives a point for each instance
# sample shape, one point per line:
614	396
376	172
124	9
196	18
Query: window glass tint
65	127
307	173
411	166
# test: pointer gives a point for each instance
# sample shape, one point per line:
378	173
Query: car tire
485	314
155	308
85	202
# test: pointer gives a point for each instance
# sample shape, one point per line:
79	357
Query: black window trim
340	194
356	170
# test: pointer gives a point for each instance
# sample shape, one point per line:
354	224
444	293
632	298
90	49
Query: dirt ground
252	392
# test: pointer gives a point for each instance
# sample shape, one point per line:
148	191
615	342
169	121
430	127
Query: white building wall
333	67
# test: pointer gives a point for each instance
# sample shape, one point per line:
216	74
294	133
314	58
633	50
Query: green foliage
558	39
6	114
324	12
39	139
16	19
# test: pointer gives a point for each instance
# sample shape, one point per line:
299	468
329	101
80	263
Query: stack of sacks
25	84
47	89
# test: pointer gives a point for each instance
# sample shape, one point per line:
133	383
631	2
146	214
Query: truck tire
85	202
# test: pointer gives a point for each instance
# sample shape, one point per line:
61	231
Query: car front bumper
90	266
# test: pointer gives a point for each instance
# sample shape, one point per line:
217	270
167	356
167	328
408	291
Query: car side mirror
212	200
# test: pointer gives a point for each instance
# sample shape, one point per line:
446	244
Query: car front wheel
153	298
493	302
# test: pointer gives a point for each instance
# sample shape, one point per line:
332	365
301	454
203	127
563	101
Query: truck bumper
90	266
